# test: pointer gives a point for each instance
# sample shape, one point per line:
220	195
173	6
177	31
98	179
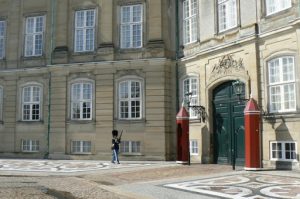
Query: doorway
228	125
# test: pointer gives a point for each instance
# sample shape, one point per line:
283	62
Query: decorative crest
227	65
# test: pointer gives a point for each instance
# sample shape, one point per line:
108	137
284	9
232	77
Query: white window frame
85	27
81	144
275	6
192	83
129	99
30	145
278	84
130	147
31	102
283	151
1	103
190	21
194	149
130	42
34	37
2	38
227	15
81	101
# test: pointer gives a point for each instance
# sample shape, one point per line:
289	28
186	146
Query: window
227	14
130	147
30	145
131	26
1	103
84	30
31	103
283	151
34	36
274	6
2	39
194	147
189	21
282	89
190	85
81	101
130	100
81	146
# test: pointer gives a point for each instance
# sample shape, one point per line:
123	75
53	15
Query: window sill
281	160
78	153
280	115
30	151
80	121
231	30
30	122
130	50
33	57
131	154
130	121
277	13
84	53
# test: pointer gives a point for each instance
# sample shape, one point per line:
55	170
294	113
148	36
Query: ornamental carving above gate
227	65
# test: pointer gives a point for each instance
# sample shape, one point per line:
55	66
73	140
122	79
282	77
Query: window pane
2	38
227	13
84	30
34	36
137	13
274	6
131	26
90	18
79	19
125	18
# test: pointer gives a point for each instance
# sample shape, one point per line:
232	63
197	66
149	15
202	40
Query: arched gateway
228	125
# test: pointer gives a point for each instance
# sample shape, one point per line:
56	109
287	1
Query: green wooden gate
228	125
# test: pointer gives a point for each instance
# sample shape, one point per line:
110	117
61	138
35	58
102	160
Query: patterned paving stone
253	186
60	166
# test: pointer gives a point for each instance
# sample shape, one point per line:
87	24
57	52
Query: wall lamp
238	89
199	110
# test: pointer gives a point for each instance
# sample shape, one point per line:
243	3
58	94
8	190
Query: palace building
72	71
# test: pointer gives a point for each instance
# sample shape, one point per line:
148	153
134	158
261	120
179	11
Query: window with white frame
30	145
84	30
190	21
2	38
81	100
1	103
31	103
190	85
194	147
283	151
131	27
227	14
34	36
130	147
274	6
130	99
81	146
282	89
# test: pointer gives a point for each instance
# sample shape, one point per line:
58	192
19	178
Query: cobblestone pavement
247	185
39	179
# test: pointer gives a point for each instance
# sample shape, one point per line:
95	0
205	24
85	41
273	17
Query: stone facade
55	132
244	51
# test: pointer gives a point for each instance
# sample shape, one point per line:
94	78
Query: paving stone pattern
249	185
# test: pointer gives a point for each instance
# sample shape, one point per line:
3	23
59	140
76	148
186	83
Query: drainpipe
52	40
177	51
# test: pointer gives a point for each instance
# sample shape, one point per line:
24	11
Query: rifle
120	136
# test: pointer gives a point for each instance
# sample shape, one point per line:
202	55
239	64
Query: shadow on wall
283	134
205	145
